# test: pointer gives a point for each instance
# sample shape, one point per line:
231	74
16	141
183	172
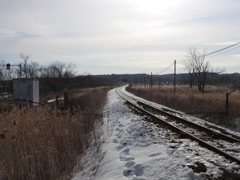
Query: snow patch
136	149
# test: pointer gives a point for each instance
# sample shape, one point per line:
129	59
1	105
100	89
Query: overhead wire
224	52
166	68
217	51
208	54
222	49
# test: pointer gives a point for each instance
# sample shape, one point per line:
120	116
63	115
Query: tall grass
190	100
42	142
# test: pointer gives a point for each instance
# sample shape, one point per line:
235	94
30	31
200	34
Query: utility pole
151	80
174	76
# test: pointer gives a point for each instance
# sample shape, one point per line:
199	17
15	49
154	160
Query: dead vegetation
211	105
43	142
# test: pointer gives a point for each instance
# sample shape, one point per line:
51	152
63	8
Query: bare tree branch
197	67
25	58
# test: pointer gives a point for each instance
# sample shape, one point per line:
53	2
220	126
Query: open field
210	106
43	142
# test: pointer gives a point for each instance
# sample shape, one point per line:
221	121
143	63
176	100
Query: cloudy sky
120	36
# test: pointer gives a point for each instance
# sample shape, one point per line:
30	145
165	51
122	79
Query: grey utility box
26	91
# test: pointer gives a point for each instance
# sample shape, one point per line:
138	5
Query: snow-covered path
136	149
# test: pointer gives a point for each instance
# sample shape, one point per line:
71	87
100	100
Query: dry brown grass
190	100
40	143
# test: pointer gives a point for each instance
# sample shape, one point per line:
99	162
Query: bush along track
44	143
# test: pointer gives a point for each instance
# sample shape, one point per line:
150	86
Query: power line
214	52
224	52
166	68
222	49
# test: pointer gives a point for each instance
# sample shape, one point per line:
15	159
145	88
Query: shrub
42	142
211	104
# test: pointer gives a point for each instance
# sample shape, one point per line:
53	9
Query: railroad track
226	145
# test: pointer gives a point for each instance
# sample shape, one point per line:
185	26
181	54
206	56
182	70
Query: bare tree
2	69
198	68
33	70
56	69
25	58
57	75
70	70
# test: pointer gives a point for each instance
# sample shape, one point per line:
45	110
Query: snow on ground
133	148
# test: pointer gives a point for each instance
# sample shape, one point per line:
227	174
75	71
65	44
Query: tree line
199	73
53	77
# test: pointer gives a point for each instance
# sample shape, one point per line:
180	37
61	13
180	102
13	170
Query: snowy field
132	148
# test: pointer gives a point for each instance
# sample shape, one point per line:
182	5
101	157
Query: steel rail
205	129
185	134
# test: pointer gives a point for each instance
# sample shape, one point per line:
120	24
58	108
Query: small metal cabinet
26	91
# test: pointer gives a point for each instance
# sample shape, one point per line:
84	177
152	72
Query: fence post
227	94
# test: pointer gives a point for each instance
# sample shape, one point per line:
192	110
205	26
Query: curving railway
222	143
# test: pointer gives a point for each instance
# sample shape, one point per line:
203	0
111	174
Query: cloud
117	34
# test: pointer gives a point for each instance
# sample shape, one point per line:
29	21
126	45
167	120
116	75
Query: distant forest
213	79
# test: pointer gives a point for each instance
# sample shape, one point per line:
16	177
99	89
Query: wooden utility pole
174	76
151	80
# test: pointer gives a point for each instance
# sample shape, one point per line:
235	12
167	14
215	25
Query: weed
211	105
41	143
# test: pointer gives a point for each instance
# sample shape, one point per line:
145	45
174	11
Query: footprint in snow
125	151
128	172
125	155
119	135
134	170
138	170
120	147
155	154
135	120
118	129
115	141
120	125
129	164
122	158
